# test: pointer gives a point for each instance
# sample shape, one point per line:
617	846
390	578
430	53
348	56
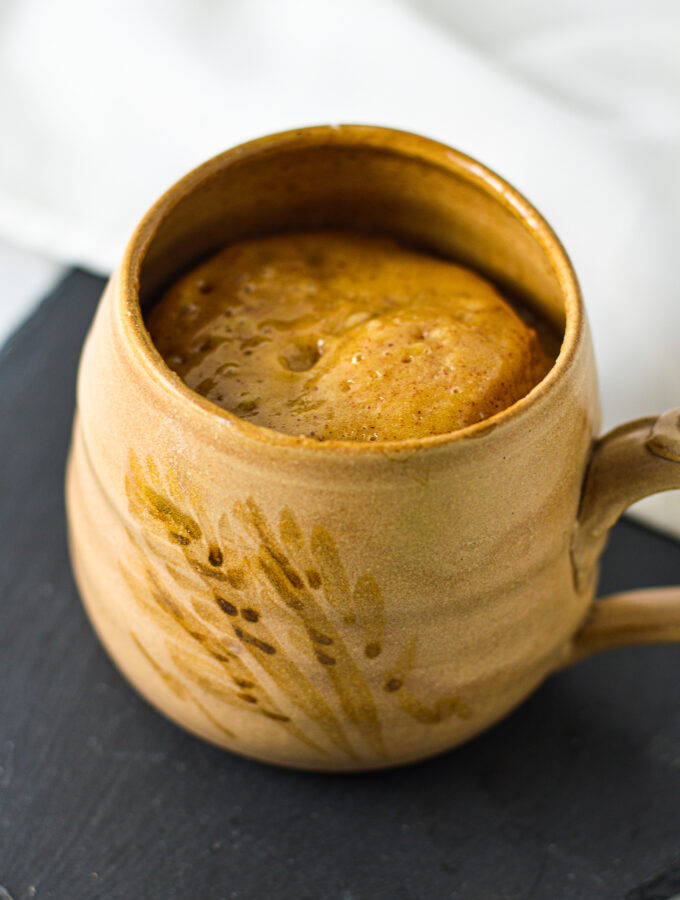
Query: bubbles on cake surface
346	336
303	354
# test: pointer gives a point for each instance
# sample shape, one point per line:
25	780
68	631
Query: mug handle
631	462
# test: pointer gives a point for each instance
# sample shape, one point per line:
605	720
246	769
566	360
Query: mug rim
405	144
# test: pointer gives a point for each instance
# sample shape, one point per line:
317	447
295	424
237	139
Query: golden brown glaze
350	605
341	335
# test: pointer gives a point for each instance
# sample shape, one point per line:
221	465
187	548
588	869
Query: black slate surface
575	797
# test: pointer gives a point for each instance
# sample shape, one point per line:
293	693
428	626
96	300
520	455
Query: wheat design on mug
244	607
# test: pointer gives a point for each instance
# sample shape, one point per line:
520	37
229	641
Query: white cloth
576	102
25	277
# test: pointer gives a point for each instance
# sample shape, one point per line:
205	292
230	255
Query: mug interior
359	177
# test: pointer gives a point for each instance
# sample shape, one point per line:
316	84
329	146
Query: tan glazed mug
348	605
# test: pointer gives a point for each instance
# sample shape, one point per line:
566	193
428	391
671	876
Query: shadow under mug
347	605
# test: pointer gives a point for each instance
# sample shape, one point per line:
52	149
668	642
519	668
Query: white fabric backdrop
577	103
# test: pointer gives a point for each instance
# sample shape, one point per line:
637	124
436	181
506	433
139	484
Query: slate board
575	797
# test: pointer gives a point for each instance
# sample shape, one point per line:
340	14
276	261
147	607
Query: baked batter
342	335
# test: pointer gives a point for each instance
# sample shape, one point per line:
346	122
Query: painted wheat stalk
258	600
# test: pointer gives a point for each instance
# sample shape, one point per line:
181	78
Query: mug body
342	605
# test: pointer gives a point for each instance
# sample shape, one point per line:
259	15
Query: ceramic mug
347	605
